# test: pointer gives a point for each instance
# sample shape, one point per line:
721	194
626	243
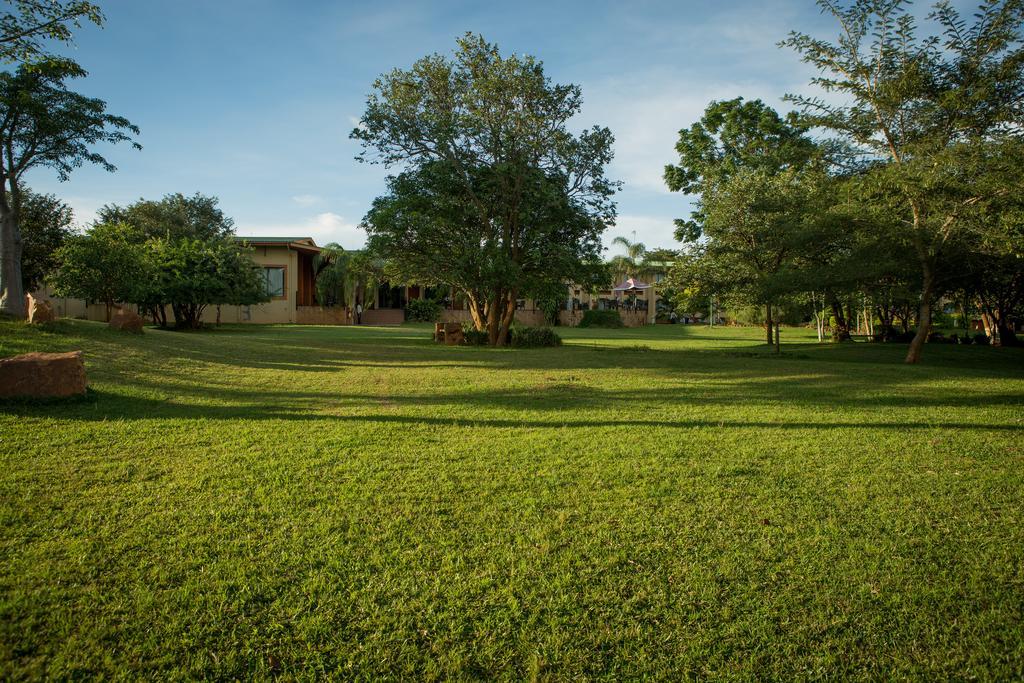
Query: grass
671	502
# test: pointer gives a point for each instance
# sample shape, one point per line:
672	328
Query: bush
474	337
981	339
422	311
594	318
534	337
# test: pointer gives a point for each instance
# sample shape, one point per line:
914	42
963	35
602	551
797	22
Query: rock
42	375
126	320
453	334
40	311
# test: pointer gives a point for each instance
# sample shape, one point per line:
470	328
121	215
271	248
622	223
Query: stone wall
384	316
320	315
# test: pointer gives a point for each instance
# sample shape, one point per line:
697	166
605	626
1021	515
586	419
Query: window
273	280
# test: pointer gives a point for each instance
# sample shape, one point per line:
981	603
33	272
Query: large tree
731	136
496	197
43	124
920	109
756	174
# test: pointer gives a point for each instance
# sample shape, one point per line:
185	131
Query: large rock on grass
42	375
126	320
40	311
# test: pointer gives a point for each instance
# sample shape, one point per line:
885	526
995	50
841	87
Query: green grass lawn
670	502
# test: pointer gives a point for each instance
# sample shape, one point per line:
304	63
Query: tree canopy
921	112
44	124
495	197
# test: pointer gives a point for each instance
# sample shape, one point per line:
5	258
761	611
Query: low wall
629	318
384	316
634	318
320	315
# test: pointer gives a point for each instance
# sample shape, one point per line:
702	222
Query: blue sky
252	100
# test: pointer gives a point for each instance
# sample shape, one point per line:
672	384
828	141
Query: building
289	274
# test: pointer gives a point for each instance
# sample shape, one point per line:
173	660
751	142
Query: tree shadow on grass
120	408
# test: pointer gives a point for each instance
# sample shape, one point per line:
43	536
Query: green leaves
29	24
496	197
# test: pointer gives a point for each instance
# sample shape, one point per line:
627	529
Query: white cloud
323	228
307	199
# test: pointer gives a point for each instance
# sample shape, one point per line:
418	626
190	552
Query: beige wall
275	311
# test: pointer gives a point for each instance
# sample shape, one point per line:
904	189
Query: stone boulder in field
42	375
40	311
126	320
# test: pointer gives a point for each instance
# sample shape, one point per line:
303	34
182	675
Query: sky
252	101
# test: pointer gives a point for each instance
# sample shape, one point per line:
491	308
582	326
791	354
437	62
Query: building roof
298	243
631	285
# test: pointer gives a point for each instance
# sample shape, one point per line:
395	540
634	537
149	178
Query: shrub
594	318
474	337
981	339
533	337
422	311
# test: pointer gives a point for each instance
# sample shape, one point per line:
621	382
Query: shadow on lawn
558	404
136	409
309	351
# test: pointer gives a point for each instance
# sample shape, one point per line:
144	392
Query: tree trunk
768	322
508	315
841	332
12	293
778	349
218	315
924	316
110	305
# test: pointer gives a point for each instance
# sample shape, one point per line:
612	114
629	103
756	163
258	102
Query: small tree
107	264
195	274
239	278
43	124
335	276
46	224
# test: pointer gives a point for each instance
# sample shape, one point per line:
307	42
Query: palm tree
335	279
626	266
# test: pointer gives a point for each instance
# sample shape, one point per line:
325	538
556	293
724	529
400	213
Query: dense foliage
496	197
422	311
46	224
178	253
601	318
534	337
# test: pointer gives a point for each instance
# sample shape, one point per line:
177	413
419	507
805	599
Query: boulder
40	311
126	320
42	375
453	334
